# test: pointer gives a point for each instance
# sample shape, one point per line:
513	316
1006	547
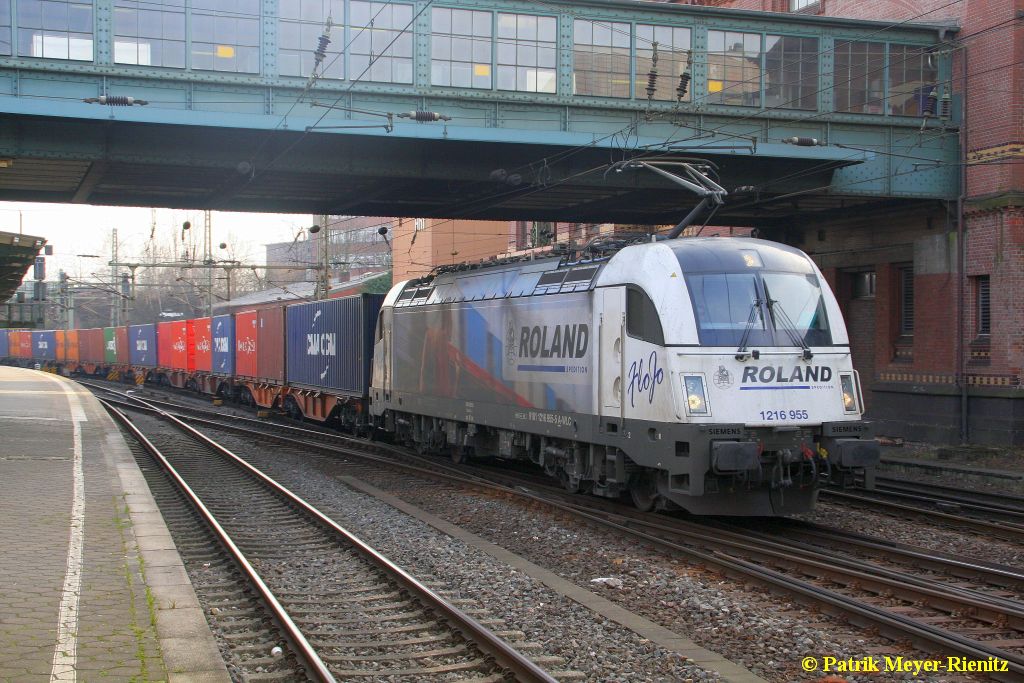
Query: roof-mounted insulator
945	105
424	116
652	75
115	100
931	103
320	53
684	85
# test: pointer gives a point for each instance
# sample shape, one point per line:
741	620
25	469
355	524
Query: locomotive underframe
719	469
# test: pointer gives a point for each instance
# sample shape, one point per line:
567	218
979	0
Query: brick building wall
421	244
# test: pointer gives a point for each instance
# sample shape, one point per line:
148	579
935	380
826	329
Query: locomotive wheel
644	491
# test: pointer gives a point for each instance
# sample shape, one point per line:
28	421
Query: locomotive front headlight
696	398
849	394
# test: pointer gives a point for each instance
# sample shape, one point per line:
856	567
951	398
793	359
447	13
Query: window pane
299	31
523	49
225	36
912	77
381	48
858	77
791	72
54	29
673	59
461	56
734	68
601	58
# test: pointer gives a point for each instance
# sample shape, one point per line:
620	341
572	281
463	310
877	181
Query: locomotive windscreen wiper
779	314
755	308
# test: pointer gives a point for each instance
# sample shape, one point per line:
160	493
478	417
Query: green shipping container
109	345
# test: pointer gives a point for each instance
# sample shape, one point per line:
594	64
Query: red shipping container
202	348
60	352
71	345
270	345
123	352
245	344
90	345
172	345
20	344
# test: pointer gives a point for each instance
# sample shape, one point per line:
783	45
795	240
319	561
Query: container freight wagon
330	345
20	344
223	355
142	350
245	345
44	346
203	379
122	347
92	357
110	345
174	353
59	346
72	349
267	384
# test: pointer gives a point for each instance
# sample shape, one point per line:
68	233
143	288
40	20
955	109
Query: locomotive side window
642	319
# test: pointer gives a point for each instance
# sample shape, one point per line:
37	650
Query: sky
75	230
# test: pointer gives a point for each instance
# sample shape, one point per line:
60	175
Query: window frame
983	305
905	296
646	331
611	47
499	66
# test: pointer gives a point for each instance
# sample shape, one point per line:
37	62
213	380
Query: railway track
962	516
937	616
346	611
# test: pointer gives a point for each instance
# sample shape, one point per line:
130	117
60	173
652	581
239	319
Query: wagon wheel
643	489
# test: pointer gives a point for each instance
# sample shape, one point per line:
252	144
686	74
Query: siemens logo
766	375
566	341
320	344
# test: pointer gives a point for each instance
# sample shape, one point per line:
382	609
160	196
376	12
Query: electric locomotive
708	374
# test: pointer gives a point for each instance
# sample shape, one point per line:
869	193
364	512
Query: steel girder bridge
493	109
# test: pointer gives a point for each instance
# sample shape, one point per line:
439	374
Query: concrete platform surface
93	588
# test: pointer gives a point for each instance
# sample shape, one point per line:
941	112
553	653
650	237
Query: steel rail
503	653
1007	532
982	500
994	575
314	665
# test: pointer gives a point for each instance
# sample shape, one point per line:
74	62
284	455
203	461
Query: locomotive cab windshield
759	308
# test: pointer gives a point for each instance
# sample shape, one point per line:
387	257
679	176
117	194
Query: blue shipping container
5	344
44	345
330	343
222	329
142	345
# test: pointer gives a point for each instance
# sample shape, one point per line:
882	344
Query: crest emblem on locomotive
722	378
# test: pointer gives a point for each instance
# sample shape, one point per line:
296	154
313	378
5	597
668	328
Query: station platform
93	587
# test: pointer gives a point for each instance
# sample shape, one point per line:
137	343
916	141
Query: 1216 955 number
778	415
